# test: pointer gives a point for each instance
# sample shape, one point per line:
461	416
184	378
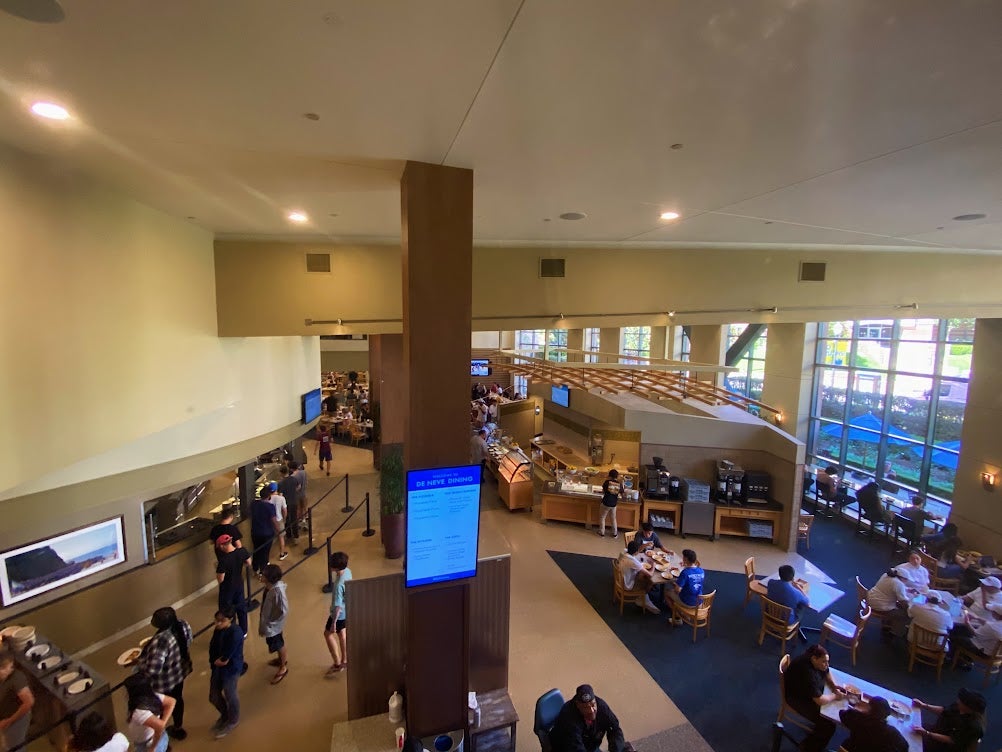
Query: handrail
307	554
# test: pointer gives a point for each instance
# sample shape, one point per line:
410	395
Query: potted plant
391	500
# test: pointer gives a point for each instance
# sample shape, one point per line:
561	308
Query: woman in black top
805	681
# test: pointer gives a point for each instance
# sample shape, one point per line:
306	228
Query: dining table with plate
904	715
663	566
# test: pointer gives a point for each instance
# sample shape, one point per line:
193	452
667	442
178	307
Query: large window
556	345
591	344
531	340
889	399
636	342
750	376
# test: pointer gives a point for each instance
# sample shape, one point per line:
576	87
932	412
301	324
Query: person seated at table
944	544
870	505
931	615
869	730
958	726
786	592
688	584
913	571
889	598
980	636
805	681
582	723
827	483
916	512
979	600
636	575
648	538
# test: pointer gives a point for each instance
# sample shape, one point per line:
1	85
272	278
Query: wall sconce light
537	410
779	419
988	480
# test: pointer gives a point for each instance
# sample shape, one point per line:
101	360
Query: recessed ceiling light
969	217
298	217
572	216
669	215
50	110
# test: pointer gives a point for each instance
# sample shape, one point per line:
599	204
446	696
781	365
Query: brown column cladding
437	225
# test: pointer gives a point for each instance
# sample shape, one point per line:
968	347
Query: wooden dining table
672	562
903	722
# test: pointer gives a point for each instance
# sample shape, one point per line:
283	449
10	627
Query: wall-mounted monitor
443	524
33	569
561	395
480	367
311	403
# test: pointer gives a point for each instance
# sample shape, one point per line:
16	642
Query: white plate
39	651
9	631
66	677
900	708
81	685
128	657
51	662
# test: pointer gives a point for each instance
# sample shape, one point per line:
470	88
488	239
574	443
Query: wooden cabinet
743	521
670	511
585	510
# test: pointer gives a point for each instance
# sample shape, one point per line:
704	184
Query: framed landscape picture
47	564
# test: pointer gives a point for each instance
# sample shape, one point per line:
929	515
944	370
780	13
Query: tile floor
557	639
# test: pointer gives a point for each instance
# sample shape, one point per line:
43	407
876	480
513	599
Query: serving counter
585	508
514	473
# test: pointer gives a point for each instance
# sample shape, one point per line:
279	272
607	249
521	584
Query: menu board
443	524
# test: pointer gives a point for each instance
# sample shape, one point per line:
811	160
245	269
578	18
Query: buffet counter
585	508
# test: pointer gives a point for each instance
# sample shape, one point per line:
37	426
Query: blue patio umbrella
942	457
867	427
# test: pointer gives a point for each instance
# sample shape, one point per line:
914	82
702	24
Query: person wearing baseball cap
582	723
980	636
958	726
979	600
869	730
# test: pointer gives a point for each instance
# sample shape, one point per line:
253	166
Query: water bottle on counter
396	707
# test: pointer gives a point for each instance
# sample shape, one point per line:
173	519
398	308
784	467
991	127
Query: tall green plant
391	481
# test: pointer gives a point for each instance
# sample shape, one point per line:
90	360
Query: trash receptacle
450	742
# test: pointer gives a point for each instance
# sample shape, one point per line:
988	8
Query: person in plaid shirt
166	662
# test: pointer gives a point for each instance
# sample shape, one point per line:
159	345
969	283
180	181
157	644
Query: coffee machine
730	482
658	479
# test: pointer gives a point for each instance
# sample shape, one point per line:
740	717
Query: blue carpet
726	684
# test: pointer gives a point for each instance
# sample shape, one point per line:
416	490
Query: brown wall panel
377	644
490	599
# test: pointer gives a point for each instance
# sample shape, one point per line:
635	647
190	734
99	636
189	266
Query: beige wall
344	360
978	512
364	285
108	338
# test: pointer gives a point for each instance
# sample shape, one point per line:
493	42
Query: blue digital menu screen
443	524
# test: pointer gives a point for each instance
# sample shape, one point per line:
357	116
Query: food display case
515	479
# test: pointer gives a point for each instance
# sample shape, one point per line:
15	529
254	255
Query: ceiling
849	123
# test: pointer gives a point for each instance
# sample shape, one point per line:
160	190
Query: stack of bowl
20	638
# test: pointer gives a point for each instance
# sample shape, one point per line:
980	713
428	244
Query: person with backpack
166	663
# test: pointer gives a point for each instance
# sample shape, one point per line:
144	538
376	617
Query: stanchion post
347	506
251	603
330	577
368	532
310	549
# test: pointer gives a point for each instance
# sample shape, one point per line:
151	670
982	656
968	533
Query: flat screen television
311	403
480	367
443	524
561	395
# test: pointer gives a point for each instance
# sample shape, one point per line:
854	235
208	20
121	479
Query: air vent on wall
551	267
318	262
812	271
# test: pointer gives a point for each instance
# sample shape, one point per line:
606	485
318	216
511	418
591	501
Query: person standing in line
229	575
226	662
336	631
289	488
264	527
478	451
274	611
94	734
325	448
16	702
281	516
299	473
225	526
148	713
612	490
166	663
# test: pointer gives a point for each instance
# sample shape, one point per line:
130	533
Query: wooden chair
695	616
862	592
949	584
623	594
749	579
804	529
776	622
905	532
843	632
627	537
992	664
928	648
785	710
357	432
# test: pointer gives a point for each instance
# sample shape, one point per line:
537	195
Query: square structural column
707	345
387	391
789	375
437	259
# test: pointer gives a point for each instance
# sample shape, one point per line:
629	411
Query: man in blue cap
583	722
